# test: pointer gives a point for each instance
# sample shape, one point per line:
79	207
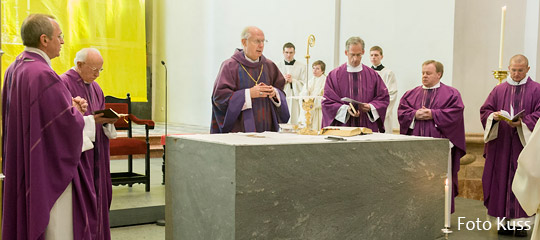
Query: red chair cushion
127	146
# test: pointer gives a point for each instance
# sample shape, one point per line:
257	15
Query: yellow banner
115	27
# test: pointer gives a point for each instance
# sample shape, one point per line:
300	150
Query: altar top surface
274	138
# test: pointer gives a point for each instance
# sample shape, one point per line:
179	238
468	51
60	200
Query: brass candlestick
500	75
308	103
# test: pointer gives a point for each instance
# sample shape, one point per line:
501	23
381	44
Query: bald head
88	63
519	59
519	67
253	41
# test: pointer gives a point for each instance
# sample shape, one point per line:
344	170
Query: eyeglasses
95	69
259	41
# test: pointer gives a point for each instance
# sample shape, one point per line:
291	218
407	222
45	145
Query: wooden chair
129	145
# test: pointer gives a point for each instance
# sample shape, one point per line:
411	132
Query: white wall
531	35
476	53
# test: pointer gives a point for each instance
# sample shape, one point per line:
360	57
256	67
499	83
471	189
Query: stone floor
468	208
472	210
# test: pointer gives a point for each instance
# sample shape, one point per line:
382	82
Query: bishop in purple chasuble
228	97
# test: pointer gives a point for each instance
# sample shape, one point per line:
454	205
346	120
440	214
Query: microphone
162	222
166	97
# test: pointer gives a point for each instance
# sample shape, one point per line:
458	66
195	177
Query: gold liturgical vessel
308	102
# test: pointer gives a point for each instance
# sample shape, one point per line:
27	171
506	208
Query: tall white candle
447	199
503	16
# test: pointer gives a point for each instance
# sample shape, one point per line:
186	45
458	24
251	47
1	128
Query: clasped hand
262	90
288	78
80	104
423	114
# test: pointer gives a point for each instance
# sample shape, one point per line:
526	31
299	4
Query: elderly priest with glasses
248	92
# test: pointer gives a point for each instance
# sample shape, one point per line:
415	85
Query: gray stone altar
288	186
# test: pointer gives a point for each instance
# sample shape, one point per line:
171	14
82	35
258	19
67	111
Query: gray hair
82	55
354	41
34	26
246	33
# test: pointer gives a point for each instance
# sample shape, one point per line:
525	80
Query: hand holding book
504	115
364	107
352	111
108	116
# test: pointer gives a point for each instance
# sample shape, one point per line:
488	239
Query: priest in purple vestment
435	110
42	128
96	181
360	83
248	92
505	140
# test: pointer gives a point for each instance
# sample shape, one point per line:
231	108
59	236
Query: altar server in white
295	78
389	78
314	87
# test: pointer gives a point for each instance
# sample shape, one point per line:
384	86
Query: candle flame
446	182
504	8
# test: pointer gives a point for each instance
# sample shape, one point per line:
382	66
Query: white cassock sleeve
299	82
527	179
492	129
110	130
342	114
89	133
524	133
278	103
247	102
412	123
392	88
373	115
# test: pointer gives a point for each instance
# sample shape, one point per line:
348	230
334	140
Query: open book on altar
511	118
345	131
